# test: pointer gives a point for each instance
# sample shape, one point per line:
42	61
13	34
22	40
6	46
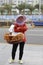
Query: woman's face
20	19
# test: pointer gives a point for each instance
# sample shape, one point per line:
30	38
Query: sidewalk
33	54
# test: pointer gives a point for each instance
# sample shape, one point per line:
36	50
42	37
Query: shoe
20	61
11	61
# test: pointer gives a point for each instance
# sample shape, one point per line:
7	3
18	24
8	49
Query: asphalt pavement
33	54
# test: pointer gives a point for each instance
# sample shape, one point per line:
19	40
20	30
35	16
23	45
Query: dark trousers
21	47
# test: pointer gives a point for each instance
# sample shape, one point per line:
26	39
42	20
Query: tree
42	8
20	7
2	10
29	7
36	6
8	7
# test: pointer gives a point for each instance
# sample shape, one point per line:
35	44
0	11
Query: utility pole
25	1
17	2
10	1
39	7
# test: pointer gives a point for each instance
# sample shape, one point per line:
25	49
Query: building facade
41	1
16	2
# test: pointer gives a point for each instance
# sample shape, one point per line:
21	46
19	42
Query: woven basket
13	39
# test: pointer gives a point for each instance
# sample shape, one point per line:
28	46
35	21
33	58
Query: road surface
33	54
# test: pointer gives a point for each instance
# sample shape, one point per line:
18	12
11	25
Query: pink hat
20	20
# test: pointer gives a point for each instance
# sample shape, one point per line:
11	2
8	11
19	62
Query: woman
19	26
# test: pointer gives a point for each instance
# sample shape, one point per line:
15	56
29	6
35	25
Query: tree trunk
42	11
9	12
23	12
20	12
1	13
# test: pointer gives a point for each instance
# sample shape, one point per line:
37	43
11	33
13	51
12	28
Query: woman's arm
17	29
22	28
11	29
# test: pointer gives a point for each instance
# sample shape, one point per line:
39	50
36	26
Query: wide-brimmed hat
20	20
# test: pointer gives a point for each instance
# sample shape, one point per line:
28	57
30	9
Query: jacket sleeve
21	28
17	29
11	28
24	28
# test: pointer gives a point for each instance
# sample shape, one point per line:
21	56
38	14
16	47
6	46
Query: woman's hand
10	33
18	28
